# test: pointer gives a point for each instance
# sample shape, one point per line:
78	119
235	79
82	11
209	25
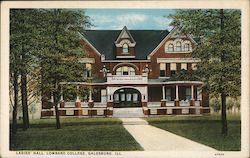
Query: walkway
156	139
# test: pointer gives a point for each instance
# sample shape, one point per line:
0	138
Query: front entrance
127	97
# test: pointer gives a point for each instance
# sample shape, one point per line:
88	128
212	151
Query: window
188	93
116	97
129	96
170	48
132	71
168	94
87	73
187	47
178	46
135	97
103	96
125	48
172	69
125	70
162	69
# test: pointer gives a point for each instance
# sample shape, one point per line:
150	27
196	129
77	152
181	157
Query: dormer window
125	48
178	46
186	47
170	48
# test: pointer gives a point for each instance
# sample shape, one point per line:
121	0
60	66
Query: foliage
215	103
219	31
220	60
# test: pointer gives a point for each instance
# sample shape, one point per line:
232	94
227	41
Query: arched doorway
127	97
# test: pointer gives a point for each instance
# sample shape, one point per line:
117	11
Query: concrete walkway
156	139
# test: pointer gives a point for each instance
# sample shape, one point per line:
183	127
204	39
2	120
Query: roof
104	41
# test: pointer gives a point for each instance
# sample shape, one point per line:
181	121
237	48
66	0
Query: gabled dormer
178	42
125	45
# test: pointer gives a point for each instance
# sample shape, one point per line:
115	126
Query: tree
219	31
21	48
60	49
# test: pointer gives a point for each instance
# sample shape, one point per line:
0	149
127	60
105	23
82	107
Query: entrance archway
127	97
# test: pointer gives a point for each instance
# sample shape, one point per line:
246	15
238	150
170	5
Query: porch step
133	121
127	112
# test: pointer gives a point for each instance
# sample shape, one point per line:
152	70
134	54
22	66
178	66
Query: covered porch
175	97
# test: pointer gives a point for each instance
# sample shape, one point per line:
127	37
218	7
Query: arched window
187	47
170	48
125	70
125	48
178	46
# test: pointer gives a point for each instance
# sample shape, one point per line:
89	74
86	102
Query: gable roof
125	34
104	41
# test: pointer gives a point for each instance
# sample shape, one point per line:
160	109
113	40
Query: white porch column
176	92
90	96
77	95
51	98
163	93
192	92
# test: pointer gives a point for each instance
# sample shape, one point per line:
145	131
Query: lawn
103	134
203	129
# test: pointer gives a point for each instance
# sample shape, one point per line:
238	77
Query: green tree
21	51
219	31
60	48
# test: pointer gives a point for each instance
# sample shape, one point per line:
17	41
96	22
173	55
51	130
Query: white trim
163	41
125	29
86	60
121	64
178	60
125	61
125	56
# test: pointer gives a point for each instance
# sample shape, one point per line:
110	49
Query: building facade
135	69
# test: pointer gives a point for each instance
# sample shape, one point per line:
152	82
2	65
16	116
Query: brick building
135	70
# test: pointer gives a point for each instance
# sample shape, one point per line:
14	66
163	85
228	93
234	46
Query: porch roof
150	82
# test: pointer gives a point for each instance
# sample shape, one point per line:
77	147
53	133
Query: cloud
131	20
117	21
162	22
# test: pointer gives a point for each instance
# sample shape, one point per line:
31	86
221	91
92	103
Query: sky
134	19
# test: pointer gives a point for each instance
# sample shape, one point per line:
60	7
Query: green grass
203	129
104	134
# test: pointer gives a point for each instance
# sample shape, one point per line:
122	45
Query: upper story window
87	72
170	48
125	70
186	47
178	47
125	48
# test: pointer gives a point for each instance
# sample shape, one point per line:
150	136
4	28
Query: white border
240	4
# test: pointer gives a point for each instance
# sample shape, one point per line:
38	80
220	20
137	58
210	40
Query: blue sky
134	19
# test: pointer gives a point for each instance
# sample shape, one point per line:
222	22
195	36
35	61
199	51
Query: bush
215	104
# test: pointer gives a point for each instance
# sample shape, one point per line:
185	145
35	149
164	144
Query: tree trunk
24	94
223	114
223	95
56	101
14	113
